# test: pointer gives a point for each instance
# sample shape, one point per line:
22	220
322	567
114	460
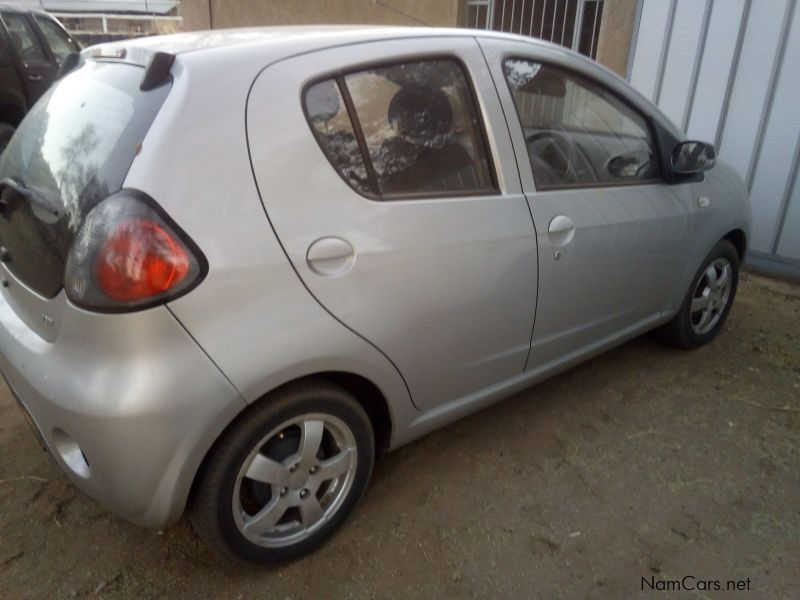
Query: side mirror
693	157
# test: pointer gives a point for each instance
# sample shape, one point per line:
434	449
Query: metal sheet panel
652	33
715	69
683	49
773	172
789	242
751	85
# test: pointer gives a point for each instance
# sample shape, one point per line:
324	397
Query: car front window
578	133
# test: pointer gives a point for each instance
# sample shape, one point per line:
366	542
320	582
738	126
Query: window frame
647	118
338	77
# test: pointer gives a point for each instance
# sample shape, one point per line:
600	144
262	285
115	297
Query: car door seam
286	253
524	196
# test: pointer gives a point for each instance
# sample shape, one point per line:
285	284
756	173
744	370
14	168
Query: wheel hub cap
298	480
294	480
711	296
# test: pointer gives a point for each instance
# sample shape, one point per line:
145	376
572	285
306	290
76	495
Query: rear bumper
128	405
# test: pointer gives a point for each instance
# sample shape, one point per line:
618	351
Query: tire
6	131
237	482
688	329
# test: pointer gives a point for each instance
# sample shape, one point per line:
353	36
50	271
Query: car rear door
427	248
34	64
612	235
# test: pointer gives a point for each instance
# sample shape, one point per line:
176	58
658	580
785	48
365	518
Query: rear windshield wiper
31	196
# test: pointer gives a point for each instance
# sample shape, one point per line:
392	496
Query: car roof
196	41
267	44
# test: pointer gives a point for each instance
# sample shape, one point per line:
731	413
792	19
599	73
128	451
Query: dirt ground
645	462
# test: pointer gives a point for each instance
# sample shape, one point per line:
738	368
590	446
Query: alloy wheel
711	296
294	480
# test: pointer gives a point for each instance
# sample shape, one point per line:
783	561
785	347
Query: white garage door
727	71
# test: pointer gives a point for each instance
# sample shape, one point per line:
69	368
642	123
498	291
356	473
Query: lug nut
292	469
284	491
303	494
313	470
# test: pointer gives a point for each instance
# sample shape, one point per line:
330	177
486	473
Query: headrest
422	114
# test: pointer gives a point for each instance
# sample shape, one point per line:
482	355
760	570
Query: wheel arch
366	393
738	238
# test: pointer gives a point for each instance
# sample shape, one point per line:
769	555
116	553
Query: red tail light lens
129	255
140	259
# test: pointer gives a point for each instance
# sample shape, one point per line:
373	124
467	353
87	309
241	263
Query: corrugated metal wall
728	71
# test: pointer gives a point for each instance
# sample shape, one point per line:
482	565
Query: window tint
419	130
56	38
578	133
22	37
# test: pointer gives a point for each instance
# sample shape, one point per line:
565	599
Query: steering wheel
557	151
636	164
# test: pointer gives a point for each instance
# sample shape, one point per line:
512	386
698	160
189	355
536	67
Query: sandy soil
645	462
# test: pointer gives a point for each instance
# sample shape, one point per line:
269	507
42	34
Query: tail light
129	255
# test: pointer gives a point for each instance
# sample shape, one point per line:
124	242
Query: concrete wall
616	33
726	71
614	43
216	14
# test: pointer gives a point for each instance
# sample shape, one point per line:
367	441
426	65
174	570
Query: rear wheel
285	476
6	131
708	300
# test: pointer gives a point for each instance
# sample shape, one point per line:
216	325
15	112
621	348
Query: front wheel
708	300
285	475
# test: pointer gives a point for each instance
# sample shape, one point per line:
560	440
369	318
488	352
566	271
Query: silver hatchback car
236	266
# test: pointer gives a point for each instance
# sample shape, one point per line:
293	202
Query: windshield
73	150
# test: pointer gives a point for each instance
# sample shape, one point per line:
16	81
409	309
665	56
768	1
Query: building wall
726	71
616	32
613	46
216	14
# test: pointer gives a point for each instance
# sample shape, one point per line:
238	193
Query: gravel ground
647	462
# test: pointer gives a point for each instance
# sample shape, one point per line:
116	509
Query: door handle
561	230
35	77
330	256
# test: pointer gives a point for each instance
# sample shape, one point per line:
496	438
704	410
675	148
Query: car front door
36	69
388	175
611	235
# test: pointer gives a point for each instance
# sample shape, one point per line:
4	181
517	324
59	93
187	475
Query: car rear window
74	148
402	130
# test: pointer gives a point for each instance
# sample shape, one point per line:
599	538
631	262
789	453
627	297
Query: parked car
237	266
33	46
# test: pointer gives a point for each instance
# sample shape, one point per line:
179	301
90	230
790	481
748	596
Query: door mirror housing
693	157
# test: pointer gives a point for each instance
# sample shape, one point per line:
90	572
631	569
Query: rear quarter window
403	130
